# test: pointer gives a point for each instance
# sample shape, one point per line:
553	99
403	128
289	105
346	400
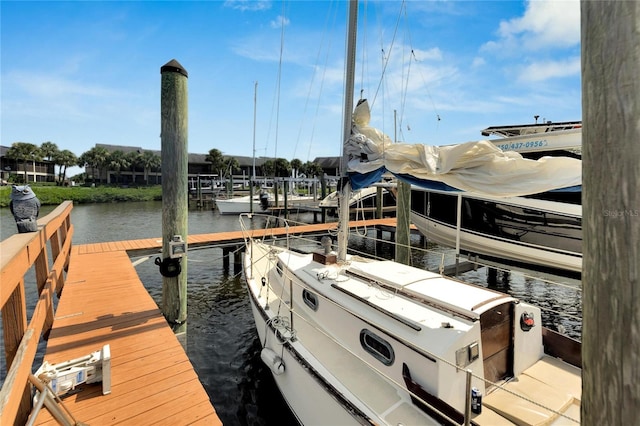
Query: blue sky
78	73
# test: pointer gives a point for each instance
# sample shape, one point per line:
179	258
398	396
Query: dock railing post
174	136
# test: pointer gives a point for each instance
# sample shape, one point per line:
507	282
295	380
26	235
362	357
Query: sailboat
351	340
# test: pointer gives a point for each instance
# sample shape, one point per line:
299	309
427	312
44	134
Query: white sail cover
478	167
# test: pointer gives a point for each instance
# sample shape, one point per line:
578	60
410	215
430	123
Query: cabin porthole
377	346
310	299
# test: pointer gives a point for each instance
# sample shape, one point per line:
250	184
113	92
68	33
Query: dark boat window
502	220
279	268
310	299
377	346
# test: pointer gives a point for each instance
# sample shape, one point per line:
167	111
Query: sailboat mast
255	102
345	194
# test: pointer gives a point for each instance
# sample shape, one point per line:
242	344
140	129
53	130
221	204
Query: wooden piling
323	194
174	136
403	207
610	40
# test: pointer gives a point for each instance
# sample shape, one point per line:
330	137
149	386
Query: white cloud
279	22
433	54
540	71
50	86
544	25
478	62
248	5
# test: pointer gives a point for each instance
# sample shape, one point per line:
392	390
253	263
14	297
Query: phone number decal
514	146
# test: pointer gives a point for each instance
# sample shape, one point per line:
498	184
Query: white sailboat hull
322	329
239	205
304	391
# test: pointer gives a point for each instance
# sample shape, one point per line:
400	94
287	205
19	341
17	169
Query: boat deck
552	383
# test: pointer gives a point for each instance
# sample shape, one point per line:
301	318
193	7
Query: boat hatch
496	326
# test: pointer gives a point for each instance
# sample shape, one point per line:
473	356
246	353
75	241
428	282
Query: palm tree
282	168
312	169
118	161
96	158
268	168
64	159
231	165
133	157
216	159
296	165
24	151
48	150
149	161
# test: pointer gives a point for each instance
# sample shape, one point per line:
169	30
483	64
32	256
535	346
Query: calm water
221	340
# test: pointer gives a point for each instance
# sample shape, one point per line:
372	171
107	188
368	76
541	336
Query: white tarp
478	167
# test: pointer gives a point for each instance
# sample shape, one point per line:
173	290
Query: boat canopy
478	166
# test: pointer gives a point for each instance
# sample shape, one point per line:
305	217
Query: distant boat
237	205
537	140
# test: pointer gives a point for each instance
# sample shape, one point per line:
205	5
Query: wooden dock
152	379
103	302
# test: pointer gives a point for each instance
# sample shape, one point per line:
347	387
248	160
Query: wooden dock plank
104	302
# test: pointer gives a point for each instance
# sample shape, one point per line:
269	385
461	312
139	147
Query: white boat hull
536	233
324	331
500	249
239	205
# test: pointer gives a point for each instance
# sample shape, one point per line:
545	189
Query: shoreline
54	195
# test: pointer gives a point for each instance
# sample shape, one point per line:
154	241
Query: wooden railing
47	252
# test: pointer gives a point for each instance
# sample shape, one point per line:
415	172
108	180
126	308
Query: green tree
312	169
133	157
268	168
64	159
216	159
231	166
48	150
24	151
149	161
296	165
97	158
282	168
118	161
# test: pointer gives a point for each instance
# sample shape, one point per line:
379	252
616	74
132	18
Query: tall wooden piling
403	217
174	136
611	212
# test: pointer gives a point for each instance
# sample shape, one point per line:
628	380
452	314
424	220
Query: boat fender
526	321
169	267
272	360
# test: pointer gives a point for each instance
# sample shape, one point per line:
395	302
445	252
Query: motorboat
538	233
236	205
353	340
541	231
